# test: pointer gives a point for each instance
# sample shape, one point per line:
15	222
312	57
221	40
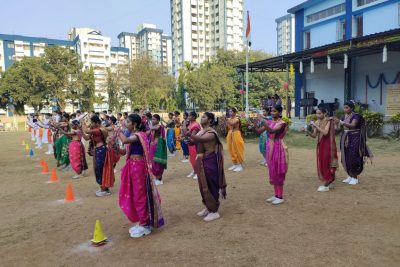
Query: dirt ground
348	226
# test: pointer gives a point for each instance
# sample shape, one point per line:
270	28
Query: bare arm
128	140
324	131
202	138
351	125
277	128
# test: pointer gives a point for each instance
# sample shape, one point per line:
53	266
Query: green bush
395	121
374	122
311	117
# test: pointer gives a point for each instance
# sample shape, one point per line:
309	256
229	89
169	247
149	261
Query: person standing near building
277	154
157	149
235	141
98	150
192	129
209	167
76	150
289	107
327	159
139	199
184	144
353	143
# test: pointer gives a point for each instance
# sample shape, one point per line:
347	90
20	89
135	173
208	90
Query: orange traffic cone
45	168
41	162
69	195
54	177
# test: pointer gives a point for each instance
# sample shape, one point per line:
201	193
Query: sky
54	18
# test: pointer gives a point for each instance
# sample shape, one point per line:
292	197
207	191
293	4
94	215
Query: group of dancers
146	141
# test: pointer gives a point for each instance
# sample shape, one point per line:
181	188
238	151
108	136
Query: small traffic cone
27	147
98	236
31	153
69	195
54	177
45	168
41	162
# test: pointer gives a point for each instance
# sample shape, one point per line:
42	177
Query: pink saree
277	155
138	196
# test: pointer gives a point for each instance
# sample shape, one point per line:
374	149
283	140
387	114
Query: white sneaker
195	177
158	182
323	188
76	176
49	152
190	175
38	147
271	199
204	212
238	168
263	162
103	193
83	174
347	180
277	201
171	155
212	216
185	160
140	231
353	181
232	167
133	229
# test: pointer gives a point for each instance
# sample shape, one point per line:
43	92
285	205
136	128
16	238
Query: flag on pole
248	28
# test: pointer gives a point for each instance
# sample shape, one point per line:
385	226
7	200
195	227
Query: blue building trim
298	84
9	37
8	52
349	19
31	48
119	49
299	26
368	8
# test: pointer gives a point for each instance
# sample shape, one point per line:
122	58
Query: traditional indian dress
262	140
138	196
193	127
77	154
157	152
184	144
99	156
111	160
177	131
235	143
353	146
327	159
61	149
277	154
210	171
171	136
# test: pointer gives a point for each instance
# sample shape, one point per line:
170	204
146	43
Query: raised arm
202	138
128	140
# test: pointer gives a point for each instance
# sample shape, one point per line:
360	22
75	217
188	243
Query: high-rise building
201	27
149	41
95	51
285	30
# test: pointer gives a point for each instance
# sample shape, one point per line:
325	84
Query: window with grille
364	2
326	13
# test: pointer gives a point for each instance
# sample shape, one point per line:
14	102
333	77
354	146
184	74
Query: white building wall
327	84
200	28
373	67
2	64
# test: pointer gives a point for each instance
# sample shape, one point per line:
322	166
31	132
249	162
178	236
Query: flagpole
247	65
247	79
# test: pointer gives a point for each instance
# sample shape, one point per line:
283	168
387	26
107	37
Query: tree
28	82
63	63
87	89
117	86
148	84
